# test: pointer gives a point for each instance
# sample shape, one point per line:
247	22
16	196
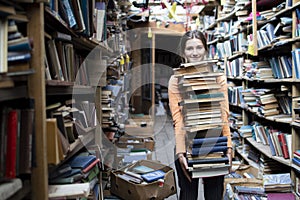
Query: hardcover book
82	161
153	176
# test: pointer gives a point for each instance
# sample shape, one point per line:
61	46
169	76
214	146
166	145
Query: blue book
72	173
18	56
82	161
206	150
210	140
153	176
272	148
208	161
296	161
210	144
19	44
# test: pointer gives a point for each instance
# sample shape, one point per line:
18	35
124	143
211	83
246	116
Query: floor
164	147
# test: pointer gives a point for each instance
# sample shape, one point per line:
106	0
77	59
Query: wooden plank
37	91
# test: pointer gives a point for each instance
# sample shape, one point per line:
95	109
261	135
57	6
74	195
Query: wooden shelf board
66	89
13	93
245	157
265	149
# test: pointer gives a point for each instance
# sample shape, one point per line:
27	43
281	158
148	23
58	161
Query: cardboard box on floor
131	191
136	142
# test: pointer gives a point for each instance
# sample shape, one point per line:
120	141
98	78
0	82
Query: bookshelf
245	74
41	22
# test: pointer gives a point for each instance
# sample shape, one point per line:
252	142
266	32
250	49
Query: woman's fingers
184	167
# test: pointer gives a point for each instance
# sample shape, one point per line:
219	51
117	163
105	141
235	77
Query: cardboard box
132	191
136	142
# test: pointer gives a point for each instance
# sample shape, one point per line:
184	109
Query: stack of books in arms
206	154
202	118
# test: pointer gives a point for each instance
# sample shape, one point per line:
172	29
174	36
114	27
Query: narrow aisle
164	146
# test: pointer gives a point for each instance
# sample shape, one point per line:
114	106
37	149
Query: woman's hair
187	36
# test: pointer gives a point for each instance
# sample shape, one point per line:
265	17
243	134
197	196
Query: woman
193	48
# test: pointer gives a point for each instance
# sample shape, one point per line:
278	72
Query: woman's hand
229	155
184	165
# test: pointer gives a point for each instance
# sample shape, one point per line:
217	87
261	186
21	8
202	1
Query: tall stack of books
202	116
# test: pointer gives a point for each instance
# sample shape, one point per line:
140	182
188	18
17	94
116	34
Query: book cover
141	169
26	134
76	7
278	195
208	161
90	175
153	176
209	140
3	45
82	161
207	150
66	180
11	148
283	145
20	44
210	172
93	164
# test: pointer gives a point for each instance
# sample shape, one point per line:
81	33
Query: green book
67	180
210	95
90	175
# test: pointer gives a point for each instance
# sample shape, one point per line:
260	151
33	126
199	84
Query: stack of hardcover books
206	154
202	117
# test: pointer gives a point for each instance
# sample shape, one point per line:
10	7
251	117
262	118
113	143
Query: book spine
206	161
11	150
209	140
283	145
207	150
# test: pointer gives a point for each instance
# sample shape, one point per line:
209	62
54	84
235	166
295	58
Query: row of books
84	17
279	142
261	101
16	46
66	124
17	139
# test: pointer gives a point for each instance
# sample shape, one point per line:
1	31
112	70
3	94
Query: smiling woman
193	48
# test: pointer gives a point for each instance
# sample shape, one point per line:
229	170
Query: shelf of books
258	44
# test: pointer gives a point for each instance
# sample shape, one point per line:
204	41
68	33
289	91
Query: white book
69	190
10	187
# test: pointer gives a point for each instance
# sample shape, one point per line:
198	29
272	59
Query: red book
283	145
88	168
297	152
11	147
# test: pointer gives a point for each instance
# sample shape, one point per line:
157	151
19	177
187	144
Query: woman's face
194	50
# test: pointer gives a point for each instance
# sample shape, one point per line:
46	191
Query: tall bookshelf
41	24
247	84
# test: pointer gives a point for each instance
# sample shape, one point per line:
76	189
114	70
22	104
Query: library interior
149	99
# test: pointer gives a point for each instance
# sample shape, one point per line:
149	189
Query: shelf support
36	85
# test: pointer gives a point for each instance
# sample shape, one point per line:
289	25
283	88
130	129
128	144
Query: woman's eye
189	48
199	47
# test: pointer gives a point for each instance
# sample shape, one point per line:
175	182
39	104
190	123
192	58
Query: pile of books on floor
207	148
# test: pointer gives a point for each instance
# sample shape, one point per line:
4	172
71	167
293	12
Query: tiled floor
164	146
